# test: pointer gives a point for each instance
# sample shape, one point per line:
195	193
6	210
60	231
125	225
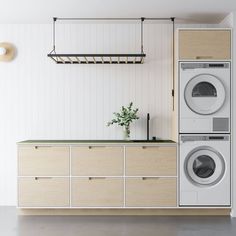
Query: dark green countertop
95	141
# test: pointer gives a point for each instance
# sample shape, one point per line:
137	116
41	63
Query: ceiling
42	11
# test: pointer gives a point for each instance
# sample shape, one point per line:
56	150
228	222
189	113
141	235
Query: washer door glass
204	166
204	94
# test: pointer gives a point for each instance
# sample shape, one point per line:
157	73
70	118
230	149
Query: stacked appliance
204	133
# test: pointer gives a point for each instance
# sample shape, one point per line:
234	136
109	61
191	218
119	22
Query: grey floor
12	225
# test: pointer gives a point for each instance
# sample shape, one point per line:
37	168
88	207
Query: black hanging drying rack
137	58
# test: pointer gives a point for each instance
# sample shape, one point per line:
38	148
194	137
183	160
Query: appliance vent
220	124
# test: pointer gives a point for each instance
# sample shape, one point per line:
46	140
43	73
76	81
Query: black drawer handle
93	178
147	178
38	178
145	147
203	57
90	147
37	147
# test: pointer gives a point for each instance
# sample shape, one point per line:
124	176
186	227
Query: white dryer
204	167
204	102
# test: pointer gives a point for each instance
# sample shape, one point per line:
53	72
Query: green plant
124	118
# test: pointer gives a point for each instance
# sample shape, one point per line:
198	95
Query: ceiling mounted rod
115	18
84	58
142	20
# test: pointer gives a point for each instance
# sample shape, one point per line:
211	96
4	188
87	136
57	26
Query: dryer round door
204	94
204	166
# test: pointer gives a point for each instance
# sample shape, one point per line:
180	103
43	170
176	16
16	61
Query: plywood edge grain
136	212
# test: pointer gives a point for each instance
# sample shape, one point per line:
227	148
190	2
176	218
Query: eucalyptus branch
125	117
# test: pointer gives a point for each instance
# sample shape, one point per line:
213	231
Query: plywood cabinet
205	44
97	160
39	171
97	192
96	176
151	192
44	160
154	160
43	192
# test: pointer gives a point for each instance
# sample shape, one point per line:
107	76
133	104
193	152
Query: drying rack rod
115	18
135	58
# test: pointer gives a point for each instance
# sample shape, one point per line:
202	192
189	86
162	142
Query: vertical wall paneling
42	100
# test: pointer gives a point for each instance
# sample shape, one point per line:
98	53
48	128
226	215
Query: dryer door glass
204	94
204	89
204	166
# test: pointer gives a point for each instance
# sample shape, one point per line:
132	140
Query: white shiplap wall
42	100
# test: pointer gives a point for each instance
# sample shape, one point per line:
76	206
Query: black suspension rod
54	33
81	18
142	20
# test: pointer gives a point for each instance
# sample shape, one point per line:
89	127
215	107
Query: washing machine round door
204	166
204	94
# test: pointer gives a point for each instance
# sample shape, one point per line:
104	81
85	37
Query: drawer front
43	160
97	192
204	44
151	161
43	192
97	160
151	192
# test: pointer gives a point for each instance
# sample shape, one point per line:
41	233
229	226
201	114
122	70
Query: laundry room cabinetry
97	192
97	175
151	192
150	176
204	44
43	176
151	161
43	192
97	160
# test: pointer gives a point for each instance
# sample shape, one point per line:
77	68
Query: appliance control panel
204	65
189	138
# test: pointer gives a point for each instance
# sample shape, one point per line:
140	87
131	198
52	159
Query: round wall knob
7	51
3	51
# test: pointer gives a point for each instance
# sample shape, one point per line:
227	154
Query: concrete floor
13	225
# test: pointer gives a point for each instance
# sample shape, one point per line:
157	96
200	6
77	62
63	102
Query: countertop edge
94	142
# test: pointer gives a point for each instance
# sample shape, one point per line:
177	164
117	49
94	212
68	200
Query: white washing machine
204	97
204	167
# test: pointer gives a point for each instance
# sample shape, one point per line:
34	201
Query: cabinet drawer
151	161
204	44
97	160
151	192
97	192
43	160
43	192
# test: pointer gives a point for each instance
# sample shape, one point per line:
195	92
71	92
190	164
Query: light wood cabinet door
43	161
43	192
97	192
151	161
204	44
97	160
151	192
